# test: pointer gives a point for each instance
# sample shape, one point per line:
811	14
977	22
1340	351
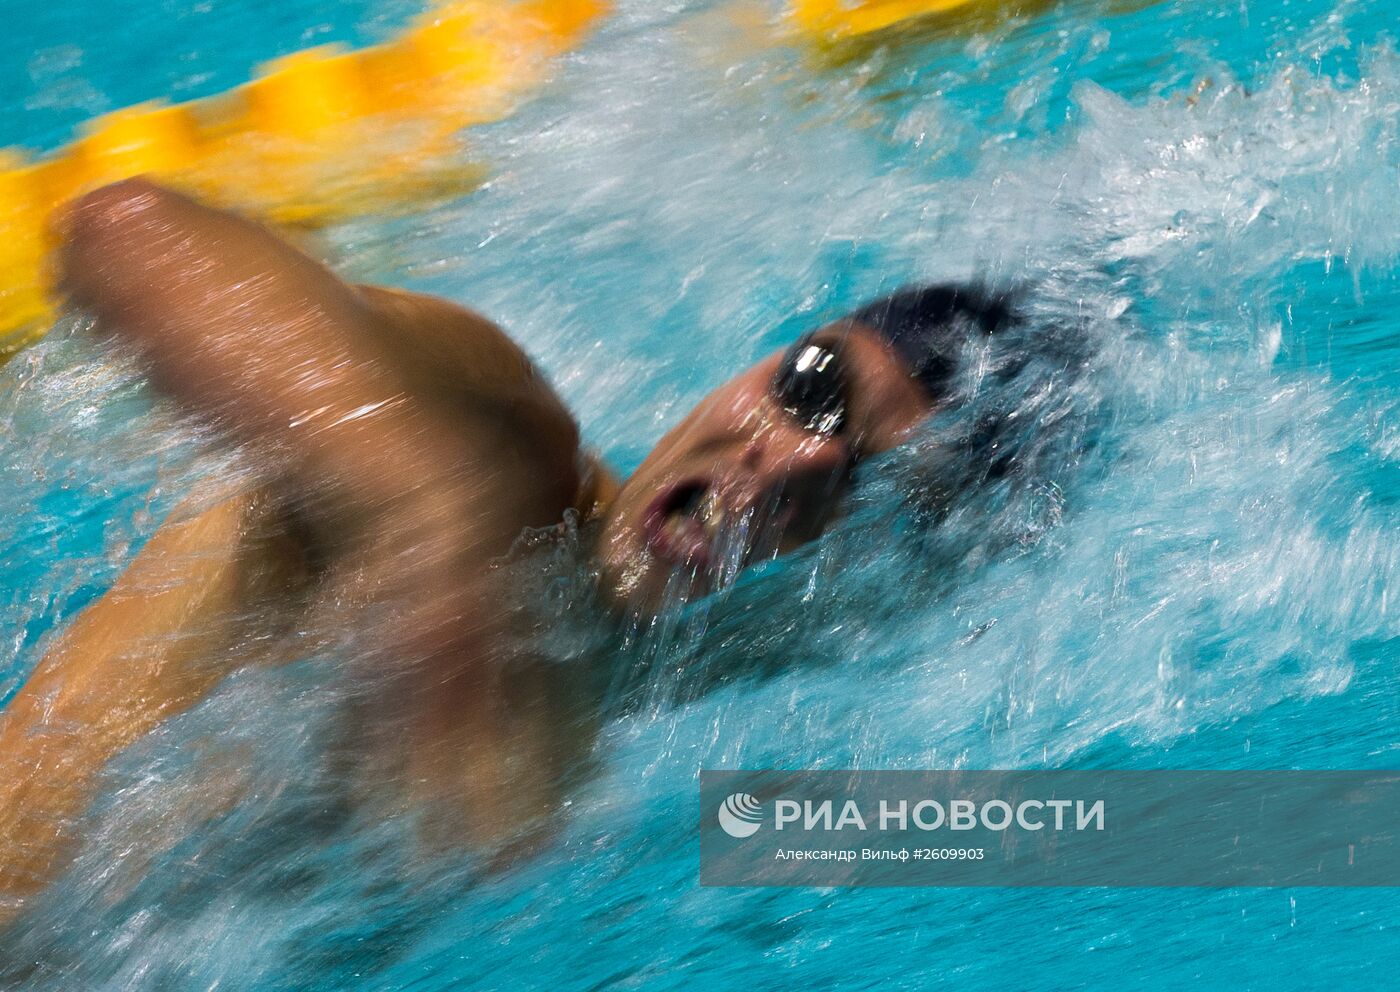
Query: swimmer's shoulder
465	362
447	350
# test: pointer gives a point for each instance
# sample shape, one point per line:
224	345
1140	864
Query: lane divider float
833	20
318	135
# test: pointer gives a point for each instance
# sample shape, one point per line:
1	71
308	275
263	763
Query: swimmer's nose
781	454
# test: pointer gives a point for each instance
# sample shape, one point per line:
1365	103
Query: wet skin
412	442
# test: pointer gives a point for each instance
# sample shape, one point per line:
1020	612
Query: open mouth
692	524
683	524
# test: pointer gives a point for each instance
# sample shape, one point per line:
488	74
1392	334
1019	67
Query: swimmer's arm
411	495
236	323
151	647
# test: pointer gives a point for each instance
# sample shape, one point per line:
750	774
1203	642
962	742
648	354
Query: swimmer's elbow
110	206
105	235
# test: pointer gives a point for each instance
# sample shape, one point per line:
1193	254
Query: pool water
1199	577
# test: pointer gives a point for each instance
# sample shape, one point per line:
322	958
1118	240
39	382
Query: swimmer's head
759	466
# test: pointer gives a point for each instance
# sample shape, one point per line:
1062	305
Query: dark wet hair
930	326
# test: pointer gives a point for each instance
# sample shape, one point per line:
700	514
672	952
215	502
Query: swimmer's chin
640	586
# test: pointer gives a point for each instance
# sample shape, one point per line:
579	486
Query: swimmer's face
757	468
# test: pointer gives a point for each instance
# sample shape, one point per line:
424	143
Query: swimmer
411	442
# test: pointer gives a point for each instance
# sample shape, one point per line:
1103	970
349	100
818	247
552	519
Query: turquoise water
62	64
1208	193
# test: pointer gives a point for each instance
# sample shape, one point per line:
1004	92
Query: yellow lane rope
319	135
837	23
837	19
